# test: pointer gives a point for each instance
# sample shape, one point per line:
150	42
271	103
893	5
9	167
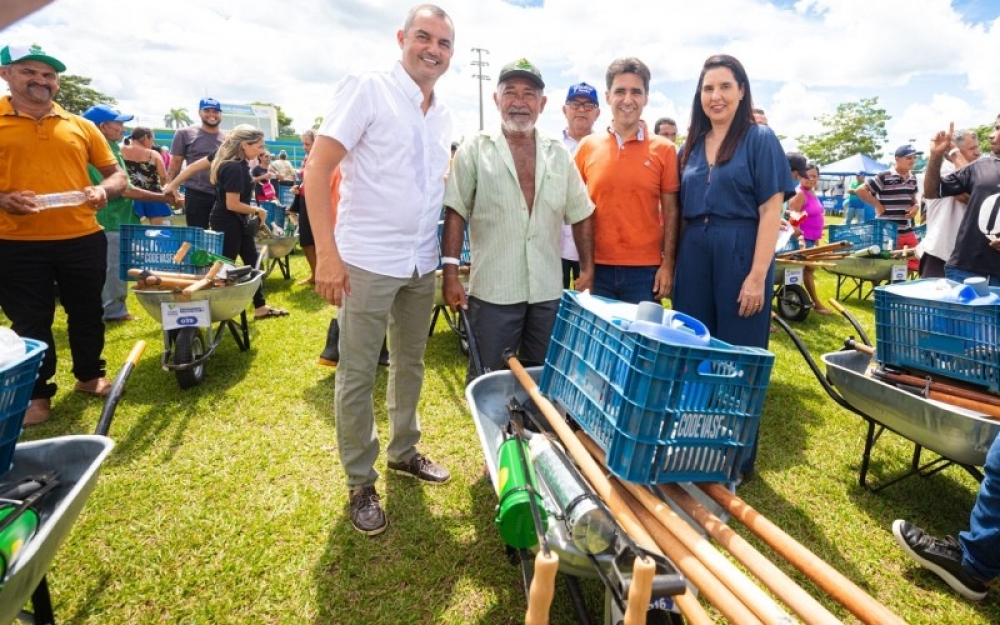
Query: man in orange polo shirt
631	175
46	151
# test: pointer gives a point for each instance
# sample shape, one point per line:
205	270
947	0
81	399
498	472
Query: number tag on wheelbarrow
793	276
899	273
186	315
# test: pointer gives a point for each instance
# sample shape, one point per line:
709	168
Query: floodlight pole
480	64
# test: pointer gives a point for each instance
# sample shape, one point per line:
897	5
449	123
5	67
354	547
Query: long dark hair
700	124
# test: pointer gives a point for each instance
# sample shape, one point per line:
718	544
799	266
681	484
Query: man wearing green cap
515	188
48	150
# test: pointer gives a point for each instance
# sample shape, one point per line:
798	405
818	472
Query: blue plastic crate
153	247
955	340
663	412
275	214
17	380
880	232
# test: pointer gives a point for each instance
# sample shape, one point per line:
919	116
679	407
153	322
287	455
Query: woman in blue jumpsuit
734	179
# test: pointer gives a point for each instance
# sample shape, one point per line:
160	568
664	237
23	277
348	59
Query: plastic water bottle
871	251
59	200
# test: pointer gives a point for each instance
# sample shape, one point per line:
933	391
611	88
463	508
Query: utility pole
479	75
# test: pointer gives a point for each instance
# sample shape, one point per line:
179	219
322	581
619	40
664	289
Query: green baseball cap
15	53
522	68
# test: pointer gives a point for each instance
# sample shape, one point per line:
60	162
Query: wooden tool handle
838	586
988	410
142	273
136	353
166	283
836	305
783	587
948	389
639	592
181	252
204	282
856	345
543	588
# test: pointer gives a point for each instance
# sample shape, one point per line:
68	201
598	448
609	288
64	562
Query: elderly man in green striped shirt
515	188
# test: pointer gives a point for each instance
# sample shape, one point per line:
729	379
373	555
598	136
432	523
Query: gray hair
960	136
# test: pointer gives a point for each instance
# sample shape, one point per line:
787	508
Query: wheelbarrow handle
543	586
470	336
111	402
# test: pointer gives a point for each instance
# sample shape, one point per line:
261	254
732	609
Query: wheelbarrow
77	461
957	436
592	547
189	339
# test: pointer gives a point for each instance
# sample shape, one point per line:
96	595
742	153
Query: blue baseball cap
583	90
209	103
907	150
101	113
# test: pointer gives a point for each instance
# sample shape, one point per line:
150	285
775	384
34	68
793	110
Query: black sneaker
366	513
943	557
422	468
331	353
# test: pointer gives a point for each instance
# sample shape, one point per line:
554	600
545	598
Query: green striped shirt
515	252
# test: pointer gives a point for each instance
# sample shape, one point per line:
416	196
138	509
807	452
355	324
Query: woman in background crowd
146	170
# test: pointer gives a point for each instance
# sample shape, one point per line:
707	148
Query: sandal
271	312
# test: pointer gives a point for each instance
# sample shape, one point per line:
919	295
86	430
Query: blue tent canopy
852	165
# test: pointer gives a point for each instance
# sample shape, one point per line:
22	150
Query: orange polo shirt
626	183
49	155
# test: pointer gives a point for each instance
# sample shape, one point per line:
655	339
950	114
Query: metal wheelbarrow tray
961	435
276	250
859	271
78	460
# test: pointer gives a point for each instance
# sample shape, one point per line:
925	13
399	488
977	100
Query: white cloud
803	59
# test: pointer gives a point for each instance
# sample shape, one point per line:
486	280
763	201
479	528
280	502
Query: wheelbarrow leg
576	598
41	603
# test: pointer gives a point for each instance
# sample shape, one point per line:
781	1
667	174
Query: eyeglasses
576	105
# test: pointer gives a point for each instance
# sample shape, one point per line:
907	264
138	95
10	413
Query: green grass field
226	503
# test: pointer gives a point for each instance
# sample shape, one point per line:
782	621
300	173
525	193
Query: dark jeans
197	207
28	270
236	241
524	328
571	271
627	284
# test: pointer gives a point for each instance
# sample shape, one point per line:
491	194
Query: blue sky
926	60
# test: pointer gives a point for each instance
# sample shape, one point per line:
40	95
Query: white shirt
568	243
944	215
394	172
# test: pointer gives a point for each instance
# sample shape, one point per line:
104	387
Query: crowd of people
618	210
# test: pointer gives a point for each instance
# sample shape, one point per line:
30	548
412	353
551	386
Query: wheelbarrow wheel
793	302
189	346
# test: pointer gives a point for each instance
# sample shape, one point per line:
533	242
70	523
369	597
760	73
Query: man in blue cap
119	211
45	149
193	143
893	193
582	109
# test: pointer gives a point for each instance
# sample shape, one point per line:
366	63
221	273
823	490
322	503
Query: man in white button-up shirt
391	138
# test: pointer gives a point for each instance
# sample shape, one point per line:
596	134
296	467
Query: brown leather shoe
38	411
99	387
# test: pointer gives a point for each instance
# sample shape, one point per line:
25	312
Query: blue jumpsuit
720	210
